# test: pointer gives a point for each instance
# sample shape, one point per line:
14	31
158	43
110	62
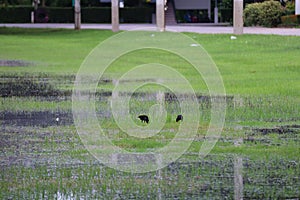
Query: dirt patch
15	63
283	135
27	87
38	118
279	130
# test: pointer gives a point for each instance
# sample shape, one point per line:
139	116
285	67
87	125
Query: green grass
53	50
255	64
260	72
250	65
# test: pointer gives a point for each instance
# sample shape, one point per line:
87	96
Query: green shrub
290	8
271	13
251	14
267	13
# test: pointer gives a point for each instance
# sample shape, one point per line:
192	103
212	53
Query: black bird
179	118
144	118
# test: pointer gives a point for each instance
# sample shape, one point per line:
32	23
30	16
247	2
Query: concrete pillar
32	17
160	15
209	10
115	15
77	15
238	22
216	20
216	12
297	7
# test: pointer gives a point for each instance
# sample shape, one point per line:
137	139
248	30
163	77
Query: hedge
15	14
60	15
96	15
66	15
136	15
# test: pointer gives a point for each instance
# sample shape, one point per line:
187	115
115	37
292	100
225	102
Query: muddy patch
15	63
27	87
43	118
279	130
37	118
277	136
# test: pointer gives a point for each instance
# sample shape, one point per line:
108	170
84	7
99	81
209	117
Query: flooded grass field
43	157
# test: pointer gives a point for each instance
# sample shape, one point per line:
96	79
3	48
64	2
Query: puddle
38	118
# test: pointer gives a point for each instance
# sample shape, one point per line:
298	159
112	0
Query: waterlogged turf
43	157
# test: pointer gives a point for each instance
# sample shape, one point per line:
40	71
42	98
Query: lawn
42	157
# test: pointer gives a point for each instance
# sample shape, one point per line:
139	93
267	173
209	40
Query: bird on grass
179	118
144	118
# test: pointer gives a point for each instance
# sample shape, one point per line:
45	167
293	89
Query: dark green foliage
15	14
60	15
226	10
66	14
96	15
15	2
289	8
136	15
267	14
226	14
68	3
226	4
59	3
127	15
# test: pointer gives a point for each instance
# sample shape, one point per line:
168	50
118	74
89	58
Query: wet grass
41	158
